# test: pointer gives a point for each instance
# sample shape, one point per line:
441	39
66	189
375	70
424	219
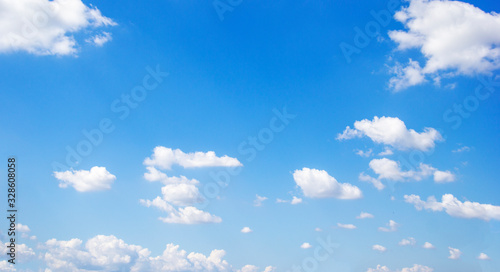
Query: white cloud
108	253
407	76
443	176
386	152
246	230
258	200
100	39
414	268
454	253
97	179
391	226
461	149
379	248
483	256
393	132
23	253
185	215
253	268
279	200
365	154
428	245
452	206
22	228
182	194
391	170
408	242
6	266
364	215
375	182
346	226
450	46
305	246
318	229
319	184
156	175
296	200
164	158
43	27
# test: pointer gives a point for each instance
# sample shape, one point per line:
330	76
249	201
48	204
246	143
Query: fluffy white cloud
414	268
154	174
305	246
450	46
428	245
23	253
346	226
258	200
319	184
391	170
364	215
182	194
108	253
97	179
408	242
185	215
391	226
379	248
164	158
296	200
483	256
407	76
22	228
100	39
6	266
44	27
387	152
253	268
454	253
454	207
393	132
365	154
246	230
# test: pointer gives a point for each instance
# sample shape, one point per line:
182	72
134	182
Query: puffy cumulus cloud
414	268
364	215
428	245
44	27
408	242
393	132
391	226
182	194
258	200
391	170
319	184
246	230
483	256
253	268
186	215
6	266
22	228
450	46
97	179
305	246
346	226
454	207
23	253
365	154
379	248
100	39
164	158
154	174
108	253
455	253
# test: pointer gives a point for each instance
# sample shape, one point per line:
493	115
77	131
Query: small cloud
305	246
246	230
318	229
408	242
379	248
279	200
346	226
296	200
364	154
391	226
258	200
461	149
97	179
100	39
364	215
454	253
428	245
386	152
483	256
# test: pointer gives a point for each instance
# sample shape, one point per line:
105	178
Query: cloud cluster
391	170
414	268
108	253
44	27
392	131
449	45
454	207
391	227
319	184
164	158
97	179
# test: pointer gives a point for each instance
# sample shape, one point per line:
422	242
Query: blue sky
255	100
